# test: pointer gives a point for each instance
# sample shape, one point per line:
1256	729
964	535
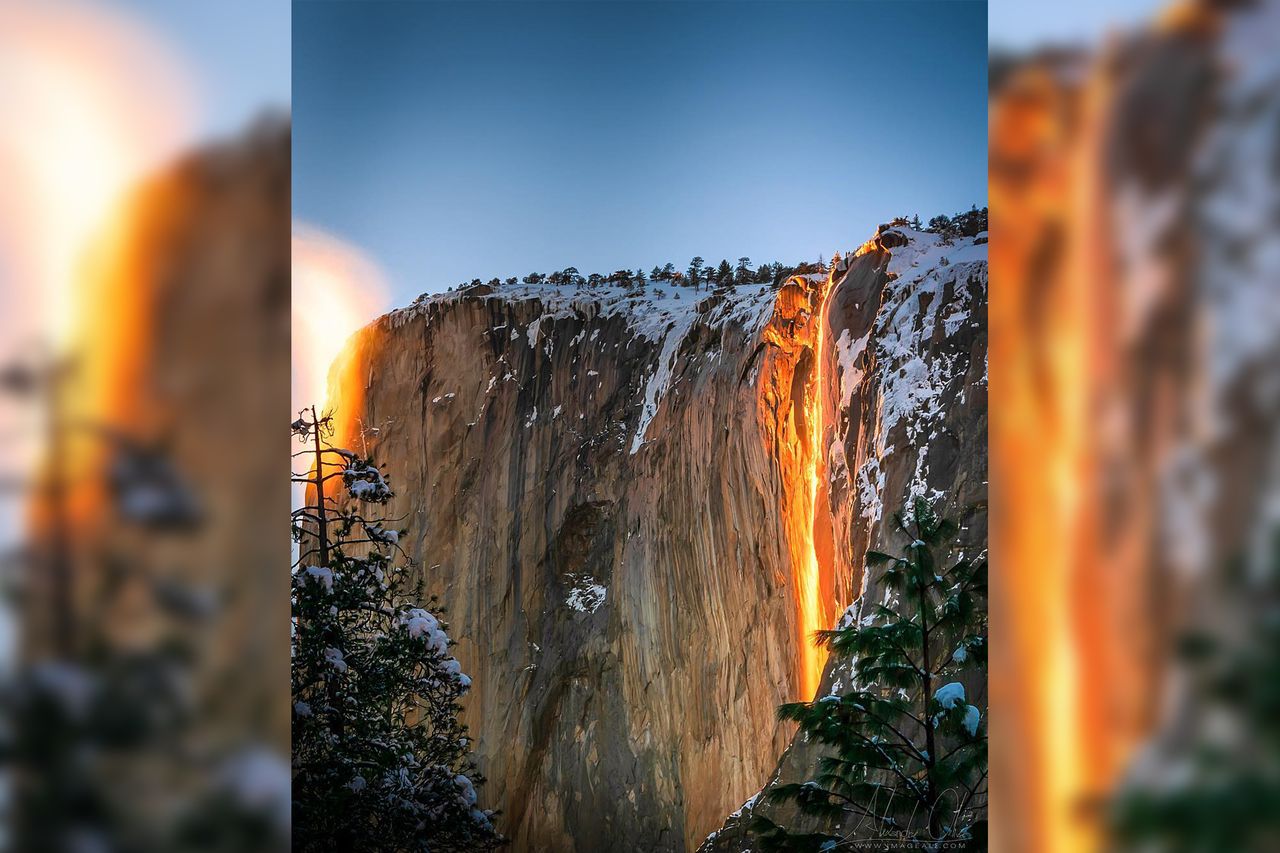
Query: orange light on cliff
337	289
813	615
798	330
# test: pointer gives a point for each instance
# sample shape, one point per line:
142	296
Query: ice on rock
586	595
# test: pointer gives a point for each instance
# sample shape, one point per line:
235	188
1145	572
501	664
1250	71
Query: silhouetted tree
380	758
695	271
724	273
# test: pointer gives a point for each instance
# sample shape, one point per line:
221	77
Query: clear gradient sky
452	141
238	53
1022	25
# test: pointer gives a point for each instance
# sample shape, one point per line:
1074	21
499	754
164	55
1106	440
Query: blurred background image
1134	165
145	251
144	334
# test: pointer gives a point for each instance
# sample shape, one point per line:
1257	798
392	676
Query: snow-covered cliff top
664	313
660	307
651	311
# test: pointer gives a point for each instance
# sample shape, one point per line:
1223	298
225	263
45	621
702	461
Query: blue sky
237	50
452	141
1020	24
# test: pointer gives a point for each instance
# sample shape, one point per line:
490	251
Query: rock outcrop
623	502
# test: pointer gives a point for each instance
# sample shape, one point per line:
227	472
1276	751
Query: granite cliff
636	506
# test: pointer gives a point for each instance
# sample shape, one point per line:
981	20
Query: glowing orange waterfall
811	608
808	525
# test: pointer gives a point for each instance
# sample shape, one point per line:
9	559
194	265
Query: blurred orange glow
1036	402
336	291
91	101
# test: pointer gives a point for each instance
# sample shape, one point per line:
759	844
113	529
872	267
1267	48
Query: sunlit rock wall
607	492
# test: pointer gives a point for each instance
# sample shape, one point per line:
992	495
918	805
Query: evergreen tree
695	271
724	273
668	271
940	224
908	753
743	272
970	223
655	274
379	755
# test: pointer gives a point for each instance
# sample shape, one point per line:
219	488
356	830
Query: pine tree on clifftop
380	759
906	758
724	273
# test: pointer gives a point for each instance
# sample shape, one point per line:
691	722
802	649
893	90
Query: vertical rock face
622	502
906	417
